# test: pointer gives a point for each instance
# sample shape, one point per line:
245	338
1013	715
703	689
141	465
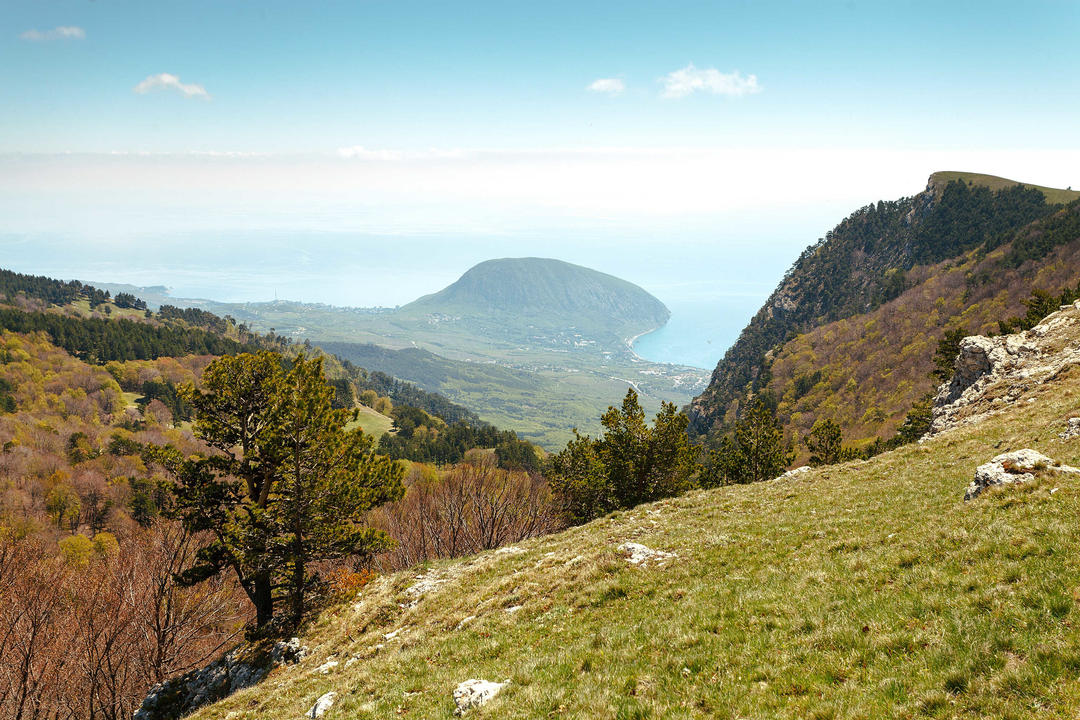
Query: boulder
474	693
638	554
324	703
234	671
1072	429
1017	466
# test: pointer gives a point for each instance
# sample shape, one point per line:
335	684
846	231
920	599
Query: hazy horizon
367	154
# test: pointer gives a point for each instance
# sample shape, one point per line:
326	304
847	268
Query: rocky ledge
993	372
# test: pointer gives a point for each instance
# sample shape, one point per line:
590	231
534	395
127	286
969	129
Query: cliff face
863	302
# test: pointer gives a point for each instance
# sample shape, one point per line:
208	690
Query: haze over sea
712	285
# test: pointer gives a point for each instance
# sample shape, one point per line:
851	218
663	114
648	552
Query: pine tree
630	464
327	479
286	485
756	452
825	443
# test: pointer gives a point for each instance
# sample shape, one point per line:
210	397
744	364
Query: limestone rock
288	652
324	703
1018	466
992	373
234	671
1072	429
981	361
638	554
474	693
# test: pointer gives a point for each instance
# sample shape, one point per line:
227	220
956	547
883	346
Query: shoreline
630	347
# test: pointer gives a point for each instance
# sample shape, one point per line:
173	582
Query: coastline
630	346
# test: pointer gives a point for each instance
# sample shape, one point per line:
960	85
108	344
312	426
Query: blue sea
699	331
712	288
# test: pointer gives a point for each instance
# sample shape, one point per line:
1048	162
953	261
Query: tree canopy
286	485
629	464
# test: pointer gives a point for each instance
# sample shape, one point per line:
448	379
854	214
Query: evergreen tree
825	443
756	452
630	464
326	479
287	484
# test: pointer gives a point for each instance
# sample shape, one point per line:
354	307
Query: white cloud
64	32
608	86
688	80
165	81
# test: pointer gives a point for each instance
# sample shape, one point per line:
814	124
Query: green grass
371	422
1053	195
867	590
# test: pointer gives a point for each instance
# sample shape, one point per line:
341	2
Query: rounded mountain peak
546	287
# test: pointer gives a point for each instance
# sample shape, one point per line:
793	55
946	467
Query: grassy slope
1053	195
859	591
371	422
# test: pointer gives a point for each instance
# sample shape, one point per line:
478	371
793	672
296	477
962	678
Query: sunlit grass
867	590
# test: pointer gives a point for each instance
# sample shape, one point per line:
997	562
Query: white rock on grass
474	693
327	666
638	554
1072	429
510	550
321	705
1018	466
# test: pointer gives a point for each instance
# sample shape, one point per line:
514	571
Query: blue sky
288	77
710	140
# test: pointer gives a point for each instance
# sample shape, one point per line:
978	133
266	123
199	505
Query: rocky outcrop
474	693
234	671
1072	429
1018	466
638	554
981	362
992	372
324	703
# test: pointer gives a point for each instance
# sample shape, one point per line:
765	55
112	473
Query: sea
712	288
699	332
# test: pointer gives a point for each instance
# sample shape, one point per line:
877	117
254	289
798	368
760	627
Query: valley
538	345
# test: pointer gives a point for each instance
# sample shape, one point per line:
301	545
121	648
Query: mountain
868	589
546	293
851	331
536	344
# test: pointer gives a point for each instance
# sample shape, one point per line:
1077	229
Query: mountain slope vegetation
867	589
851	331
546	293
536	344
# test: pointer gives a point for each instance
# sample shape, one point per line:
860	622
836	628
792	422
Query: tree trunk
263	600
298	571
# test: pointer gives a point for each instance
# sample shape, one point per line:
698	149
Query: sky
369	152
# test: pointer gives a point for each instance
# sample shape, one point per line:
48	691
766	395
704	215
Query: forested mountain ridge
883	286
100	329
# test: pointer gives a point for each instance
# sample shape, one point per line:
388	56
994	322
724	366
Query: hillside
939	180
850	332
535	344
870	589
